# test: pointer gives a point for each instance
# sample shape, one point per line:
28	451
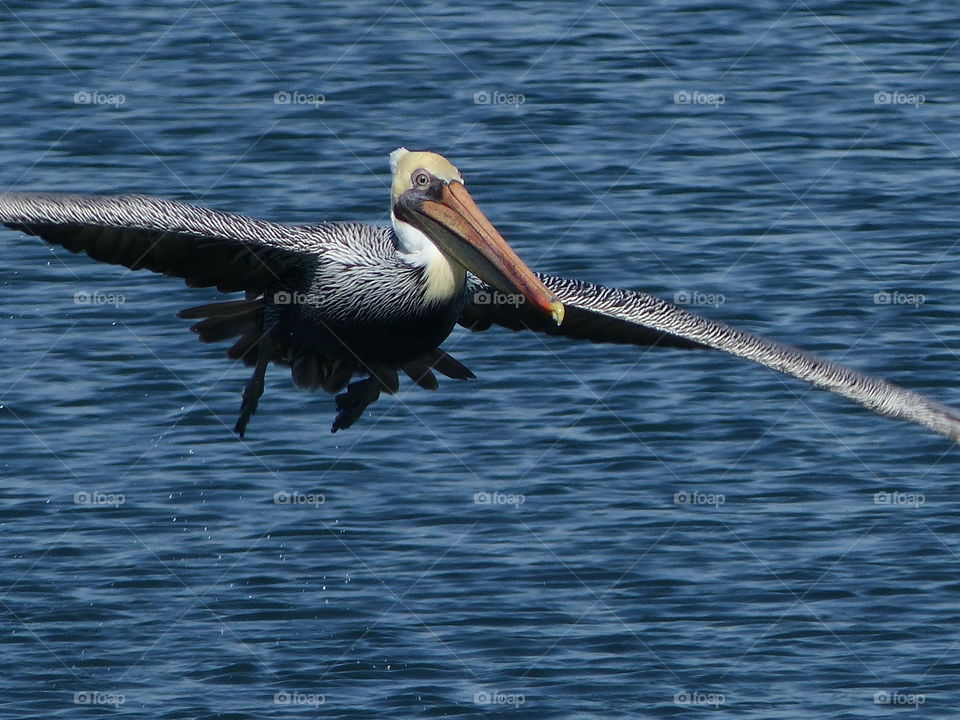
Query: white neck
443	278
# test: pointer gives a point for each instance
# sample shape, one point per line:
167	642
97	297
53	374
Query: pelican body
348	306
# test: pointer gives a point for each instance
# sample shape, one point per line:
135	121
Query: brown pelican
340	301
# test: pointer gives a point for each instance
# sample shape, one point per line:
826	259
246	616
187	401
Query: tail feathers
419	371
220	309
305	370
222	321
446	365
336	375
217	329
388	379
246	347
311	370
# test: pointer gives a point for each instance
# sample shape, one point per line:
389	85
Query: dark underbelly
390	341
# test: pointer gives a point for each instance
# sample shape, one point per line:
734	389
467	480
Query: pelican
348	306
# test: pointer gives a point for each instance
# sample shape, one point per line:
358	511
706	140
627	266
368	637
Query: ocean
583	530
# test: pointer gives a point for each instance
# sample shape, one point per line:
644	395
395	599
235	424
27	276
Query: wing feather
585	316
602	314
205	247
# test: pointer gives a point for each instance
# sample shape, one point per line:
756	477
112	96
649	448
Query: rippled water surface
582	531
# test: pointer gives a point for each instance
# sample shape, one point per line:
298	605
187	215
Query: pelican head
429	196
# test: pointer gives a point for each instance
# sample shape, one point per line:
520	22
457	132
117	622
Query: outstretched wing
602	314
589	314
205	247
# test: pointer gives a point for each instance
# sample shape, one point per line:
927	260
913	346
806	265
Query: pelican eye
421	179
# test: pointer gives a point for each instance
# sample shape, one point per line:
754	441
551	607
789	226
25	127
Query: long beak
482	250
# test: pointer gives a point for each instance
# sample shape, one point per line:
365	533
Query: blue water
783	197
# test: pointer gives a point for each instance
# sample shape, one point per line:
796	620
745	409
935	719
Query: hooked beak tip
557	312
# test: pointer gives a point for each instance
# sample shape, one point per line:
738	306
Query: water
583	589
